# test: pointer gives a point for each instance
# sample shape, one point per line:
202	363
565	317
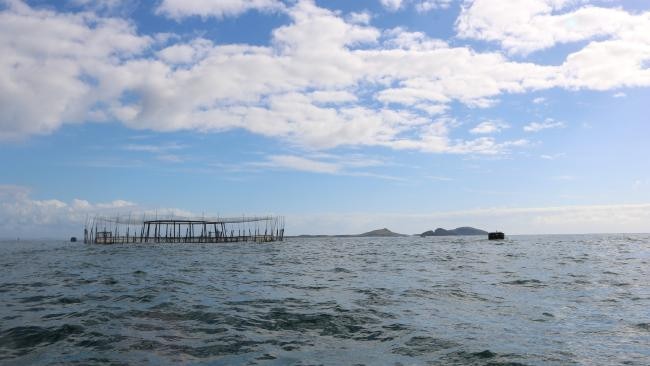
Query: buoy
497	235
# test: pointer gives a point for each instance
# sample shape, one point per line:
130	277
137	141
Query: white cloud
619	95
529	25
178	9
428	5
609	64
50	65
421	6
21	215
332	96
406	40
100	5
359	18
392	5
615	56
287	112
539	126
348	165
301	164
435	138
432	109
488	127
348	86
438	178
539	100
188	53
153	148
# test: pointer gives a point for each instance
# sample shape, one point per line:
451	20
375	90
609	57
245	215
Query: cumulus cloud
52	63
201	86
488	127
419	5
179	9
529	25
547	124
392	4
345	87
363	17
101	5
186	53
619	44
22	215
427	5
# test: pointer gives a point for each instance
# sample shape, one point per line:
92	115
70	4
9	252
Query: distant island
385	233
381	232
374	233
465	230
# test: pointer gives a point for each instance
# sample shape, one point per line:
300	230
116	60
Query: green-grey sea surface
528	300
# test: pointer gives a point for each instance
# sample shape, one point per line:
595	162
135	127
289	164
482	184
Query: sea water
527	300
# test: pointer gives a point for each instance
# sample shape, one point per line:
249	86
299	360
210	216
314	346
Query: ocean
527	300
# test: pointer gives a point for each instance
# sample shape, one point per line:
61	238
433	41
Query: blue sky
344	116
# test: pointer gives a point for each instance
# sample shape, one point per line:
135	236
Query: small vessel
497	235
73	239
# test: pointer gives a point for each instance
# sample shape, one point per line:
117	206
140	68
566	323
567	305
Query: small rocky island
380	232
465	230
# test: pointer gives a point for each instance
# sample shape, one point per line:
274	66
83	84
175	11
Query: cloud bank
23	216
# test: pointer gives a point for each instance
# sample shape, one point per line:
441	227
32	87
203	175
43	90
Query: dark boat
73	239
497	235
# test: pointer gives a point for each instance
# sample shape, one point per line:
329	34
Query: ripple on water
526	283
100	342
421	345
349	325
341	270
332	301
644	326
27	337
483	358
375	297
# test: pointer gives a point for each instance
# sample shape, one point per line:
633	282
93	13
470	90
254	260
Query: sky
526	116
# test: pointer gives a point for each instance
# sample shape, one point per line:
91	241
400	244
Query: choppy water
530	300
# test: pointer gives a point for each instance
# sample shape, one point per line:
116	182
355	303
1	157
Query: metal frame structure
126	230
